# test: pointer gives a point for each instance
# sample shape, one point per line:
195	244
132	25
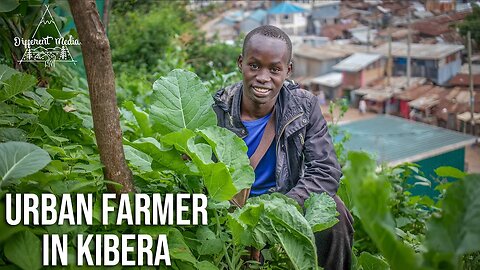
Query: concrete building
312	61
437	62
360	69
329	84
323	13
289	17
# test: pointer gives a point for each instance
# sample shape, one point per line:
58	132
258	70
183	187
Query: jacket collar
288	107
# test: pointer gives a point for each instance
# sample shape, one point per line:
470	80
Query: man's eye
275	70
254	66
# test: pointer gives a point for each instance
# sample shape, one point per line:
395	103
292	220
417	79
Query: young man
301	159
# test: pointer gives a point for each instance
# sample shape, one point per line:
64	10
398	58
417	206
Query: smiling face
265	65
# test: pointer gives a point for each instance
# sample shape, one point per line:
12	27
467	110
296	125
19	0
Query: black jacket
306	160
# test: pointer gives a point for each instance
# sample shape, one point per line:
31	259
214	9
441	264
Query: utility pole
368	36
409	40
470	76
389	63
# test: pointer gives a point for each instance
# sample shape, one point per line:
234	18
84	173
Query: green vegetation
47	146
472	24
155	140
158	37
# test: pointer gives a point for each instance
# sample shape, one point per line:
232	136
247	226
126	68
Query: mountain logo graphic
47	45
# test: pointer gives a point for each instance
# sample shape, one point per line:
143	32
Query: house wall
300	66
351	80
440	5
308	67
419	68
292	24
404	109
331	93
448	68
372	72
440	71
455	158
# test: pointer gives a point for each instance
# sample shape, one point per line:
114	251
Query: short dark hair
269	31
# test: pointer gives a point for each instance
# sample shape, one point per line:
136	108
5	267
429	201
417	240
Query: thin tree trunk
101	84
106	11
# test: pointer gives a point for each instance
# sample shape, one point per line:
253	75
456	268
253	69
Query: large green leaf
16	84
231	150
457	231
178	249
447	171
63	94
141	117
24	250
275	219
19	159
369	262
218	181
57	118
166	157
371	194
216	176
138	158
320	211
6	72
293	232
180	100
245	226
206	265
12	134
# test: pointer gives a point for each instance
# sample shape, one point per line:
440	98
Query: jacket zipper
283	129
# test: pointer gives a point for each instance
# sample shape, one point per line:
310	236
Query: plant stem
225	250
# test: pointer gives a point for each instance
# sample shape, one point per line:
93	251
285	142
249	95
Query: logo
47	45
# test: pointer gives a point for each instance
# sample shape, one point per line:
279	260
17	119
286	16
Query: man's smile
260	91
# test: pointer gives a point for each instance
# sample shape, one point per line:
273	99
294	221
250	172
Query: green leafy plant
61	160
370	194
181	113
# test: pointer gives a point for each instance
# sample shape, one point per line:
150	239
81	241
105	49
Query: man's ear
239	62
289	69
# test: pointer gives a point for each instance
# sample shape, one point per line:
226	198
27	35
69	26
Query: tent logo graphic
47	44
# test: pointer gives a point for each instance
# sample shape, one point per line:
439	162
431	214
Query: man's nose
263	76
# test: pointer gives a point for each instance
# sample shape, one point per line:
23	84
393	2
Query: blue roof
396	140
285	8
258	15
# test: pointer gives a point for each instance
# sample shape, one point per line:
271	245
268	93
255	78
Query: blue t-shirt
265	171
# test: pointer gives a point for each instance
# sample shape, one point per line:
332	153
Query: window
286	18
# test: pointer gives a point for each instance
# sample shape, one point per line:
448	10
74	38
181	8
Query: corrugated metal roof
395	140
467	117
420	51
363	34
324	3
375	94
414	92
258	15
429	98
332	79
326	52
357	62
285	8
